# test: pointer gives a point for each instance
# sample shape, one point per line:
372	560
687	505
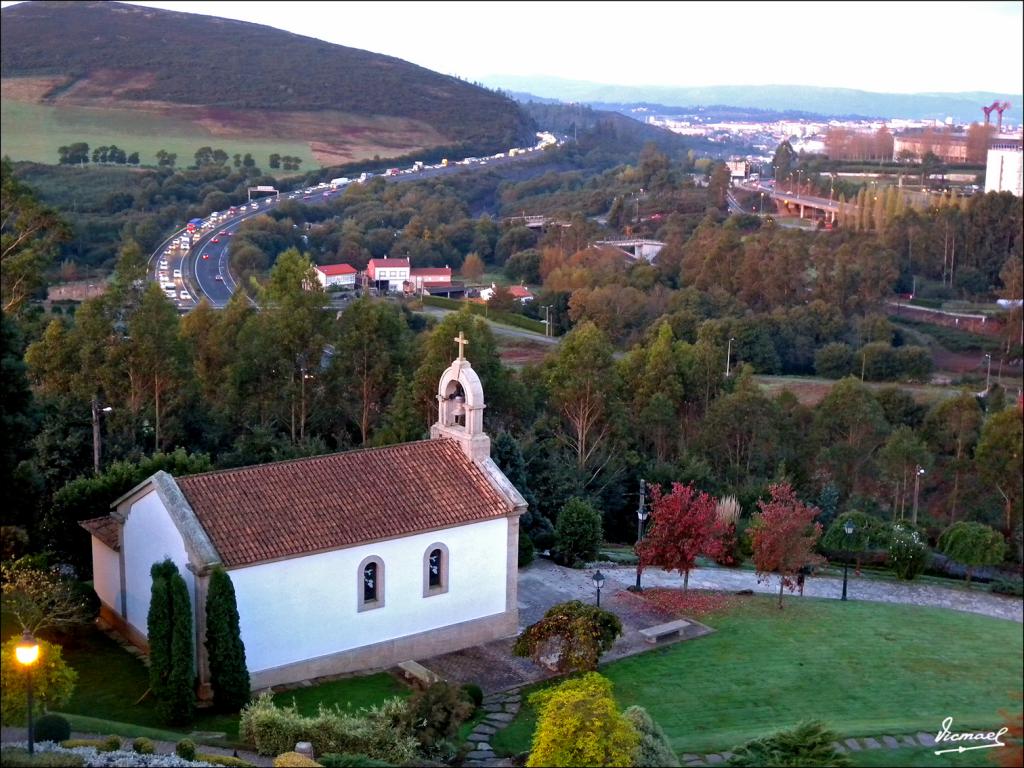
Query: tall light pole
848	529
27	653
917	490
988	375
547	320
728	356
641	517
96	411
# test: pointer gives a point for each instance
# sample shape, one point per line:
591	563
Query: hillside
234	79
837	102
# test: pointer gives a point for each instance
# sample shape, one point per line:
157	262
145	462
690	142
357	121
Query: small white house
340	563
336	274
388	274
519	292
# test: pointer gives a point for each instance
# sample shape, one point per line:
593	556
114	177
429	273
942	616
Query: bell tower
460	407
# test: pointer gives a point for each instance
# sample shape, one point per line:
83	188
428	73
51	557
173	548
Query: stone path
875	590
910	741
501	709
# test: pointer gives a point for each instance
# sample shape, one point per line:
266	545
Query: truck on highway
194	224
418	165
365	177
341	182
392	172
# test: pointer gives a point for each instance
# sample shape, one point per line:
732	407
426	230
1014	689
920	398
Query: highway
205	268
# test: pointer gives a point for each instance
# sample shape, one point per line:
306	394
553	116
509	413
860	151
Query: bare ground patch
29	89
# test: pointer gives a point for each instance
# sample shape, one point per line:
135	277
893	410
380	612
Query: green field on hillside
35	131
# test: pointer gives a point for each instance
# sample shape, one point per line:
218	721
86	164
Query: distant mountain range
834	102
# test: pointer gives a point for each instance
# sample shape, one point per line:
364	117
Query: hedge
508	318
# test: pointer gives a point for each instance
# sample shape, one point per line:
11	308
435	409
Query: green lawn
110	684
35	131
866	669
922	757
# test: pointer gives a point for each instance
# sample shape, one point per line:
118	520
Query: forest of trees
636	388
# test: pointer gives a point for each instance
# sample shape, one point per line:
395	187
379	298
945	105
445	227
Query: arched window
370	587
435	570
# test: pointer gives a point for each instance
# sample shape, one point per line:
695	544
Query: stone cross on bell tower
460	406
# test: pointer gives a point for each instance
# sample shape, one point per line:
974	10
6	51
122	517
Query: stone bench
653	634
419	672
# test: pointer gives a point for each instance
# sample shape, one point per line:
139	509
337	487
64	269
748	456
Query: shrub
272	729
294	760
908	555
53	682
526	550
15	757
834	361
474	693
435	713
185	749
654	749
378	732
578	532
577	632
143	746
579	724
808	744
52	728
1007	586
335	760
972	544
229	675
110	744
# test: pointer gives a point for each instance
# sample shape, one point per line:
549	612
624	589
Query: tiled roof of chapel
302	506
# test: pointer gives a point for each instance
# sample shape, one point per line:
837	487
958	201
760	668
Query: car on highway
177	274
184	296
215	240
206	256
163	264
219	278
170	293
224	233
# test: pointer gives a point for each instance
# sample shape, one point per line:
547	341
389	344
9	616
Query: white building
388	274
336	274
1003	170
340	563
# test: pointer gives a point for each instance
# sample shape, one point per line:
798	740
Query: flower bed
93	757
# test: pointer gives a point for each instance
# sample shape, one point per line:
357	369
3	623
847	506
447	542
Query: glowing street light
27	653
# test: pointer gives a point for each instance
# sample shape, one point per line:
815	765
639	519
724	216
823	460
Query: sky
889	47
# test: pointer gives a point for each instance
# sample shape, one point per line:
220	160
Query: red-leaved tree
784	534
684	525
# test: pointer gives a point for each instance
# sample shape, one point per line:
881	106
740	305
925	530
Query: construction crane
999	107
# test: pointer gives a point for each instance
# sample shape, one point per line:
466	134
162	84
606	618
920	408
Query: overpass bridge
638	247
790	202
535	222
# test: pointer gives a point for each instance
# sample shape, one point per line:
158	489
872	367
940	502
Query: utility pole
917	490
728	356
988	375
641	516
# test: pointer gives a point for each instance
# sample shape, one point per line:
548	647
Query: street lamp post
598	582
728	356
988	375
547	320
96	437
848	529
641	518
27	653
917	489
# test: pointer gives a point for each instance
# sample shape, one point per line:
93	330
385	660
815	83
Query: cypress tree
158	631
178	707
229	674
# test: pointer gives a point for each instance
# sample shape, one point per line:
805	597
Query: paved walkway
876	590
910	741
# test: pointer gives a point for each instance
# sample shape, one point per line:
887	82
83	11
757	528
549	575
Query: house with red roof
339	563
387	275
336	274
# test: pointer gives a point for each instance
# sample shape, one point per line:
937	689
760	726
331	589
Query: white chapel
341	562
